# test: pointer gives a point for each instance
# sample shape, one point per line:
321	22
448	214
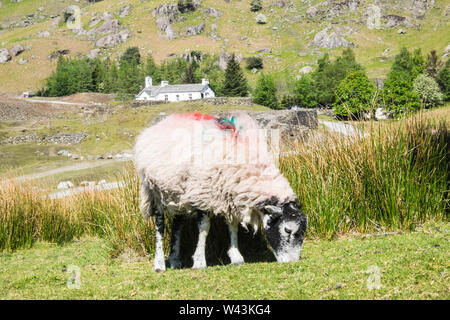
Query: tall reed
393	178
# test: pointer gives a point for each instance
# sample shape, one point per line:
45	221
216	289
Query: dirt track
16	108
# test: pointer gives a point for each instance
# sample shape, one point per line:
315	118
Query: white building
177	92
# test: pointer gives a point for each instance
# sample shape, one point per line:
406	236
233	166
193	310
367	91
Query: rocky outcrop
55	54
212	12
112	40
305	70
165	15
420	7
329	9
4	55
394	21
93	54
110	33
16	50
329	39
446	51
125	11
194	30
43	34
261	19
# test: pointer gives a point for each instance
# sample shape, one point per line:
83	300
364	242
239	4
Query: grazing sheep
198	163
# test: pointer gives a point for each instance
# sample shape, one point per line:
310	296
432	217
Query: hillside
295	34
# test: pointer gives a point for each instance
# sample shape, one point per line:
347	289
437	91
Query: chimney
148	82
205	81
164	83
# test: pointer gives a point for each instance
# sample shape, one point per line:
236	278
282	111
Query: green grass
412	266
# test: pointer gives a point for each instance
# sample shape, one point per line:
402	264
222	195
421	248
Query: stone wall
293	124
217	101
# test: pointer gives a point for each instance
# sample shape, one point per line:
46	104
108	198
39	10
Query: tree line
126	75
414	81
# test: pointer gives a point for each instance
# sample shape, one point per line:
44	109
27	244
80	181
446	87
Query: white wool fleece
188	163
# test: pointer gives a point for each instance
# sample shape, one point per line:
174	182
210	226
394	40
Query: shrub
354	95
304	92
131	55
255	5
398	96
329	74
407	67
254	63
428	91
443	79
265	92
287	101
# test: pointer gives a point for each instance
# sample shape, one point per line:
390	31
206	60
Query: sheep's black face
285	228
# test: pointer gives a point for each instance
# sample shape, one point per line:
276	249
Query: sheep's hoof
236	263
199	264
175	263
235	257
159	265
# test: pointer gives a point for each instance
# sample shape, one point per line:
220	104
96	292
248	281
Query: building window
166	97
178	97
190	96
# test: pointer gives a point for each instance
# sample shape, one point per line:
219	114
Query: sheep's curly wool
188	162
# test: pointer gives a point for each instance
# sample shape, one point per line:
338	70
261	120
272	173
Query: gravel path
343	128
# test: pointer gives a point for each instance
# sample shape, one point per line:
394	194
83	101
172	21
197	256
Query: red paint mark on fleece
197	116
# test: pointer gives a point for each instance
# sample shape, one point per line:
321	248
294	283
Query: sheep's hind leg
159	263
233	251
203	229
174	257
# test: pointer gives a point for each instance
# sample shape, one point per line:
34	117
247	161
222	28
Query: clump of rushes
395	177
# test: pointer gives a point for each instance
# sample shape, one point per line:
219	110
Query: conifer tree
235	84
434	63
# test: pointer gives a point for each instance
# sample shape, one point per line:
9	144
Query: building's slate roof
153	91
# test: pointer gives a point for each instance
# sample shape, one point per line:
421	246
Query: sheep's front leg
199	254
233	251
159	263
174	257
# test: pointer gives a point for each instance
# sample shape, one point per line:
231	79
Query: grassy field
411	266
394	180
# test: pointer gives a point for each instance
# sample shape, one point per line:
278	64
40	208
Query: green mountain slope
291	38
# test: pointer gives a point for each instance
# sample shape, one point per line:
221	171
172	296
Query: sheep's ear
273	210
